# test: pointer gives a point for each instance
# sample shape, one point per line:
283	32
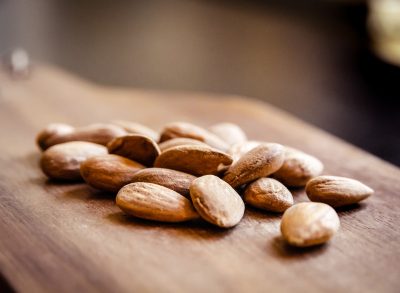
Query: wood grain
68	237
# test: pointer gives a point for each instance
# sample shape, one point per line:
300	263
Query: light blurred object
18	63
384	27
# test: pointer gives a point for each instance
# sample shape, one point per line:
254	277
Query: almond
194	159
135	147
178	142
229	132
51	131
216	201
96	133
298	168
261	161
239	149
109	172
337	191
136	128
268	194
172	179
155	202
309	223
183	129
62	161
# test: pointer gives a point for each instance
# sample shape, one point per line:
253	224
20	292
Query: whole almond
109	172
136	128
188	130
52	130
178	142
155	202
96	133
194	159
172	179
337	191
239	149
309	223
229	132
298	168
261	161
62	161
268	194
216	201
136	147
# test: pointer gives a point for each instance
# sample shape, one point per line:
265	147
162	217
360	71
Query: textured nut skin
298	168
194	159
268	194
216	201
239	149
229	132
337	191
155	202
174	142
309	223
63	161
261	161
51	131
135	147
188	130
172	179
136	128
96	133
109	172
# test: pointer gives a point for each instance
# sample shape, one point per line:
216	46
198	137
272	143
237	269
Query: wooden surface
70	238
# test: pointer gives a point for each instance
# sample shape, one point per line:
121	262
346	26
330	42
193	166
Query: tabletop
69	237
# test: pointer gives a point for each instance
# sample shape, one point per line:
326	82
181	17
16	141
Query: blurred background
335	64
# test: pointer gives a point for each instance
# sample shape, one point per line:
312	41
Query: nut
172	179
136	147
136	128
337	191
239	149
309	223
96	133
62	161
155	202
179	141
268	194
194	159
216	201
183	129
109	172
298	168
261	161
229	133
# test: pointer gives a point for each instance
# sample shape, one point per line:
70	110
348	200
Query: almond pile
188	172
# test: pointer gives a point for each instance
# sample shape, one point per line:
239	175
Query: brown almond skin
109	172
261	161
298	168
239	149
229	132
194	159
155	202
174	142
62	161
337	191
188	130
136	128
216	201
309	223
96	133
51	131
268	194
172	179
135	147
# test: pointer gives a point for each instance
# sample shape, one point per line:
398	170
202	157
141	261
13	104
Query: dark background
311	58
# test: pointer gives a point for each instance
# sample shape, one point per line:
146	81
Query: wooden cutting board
71	238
